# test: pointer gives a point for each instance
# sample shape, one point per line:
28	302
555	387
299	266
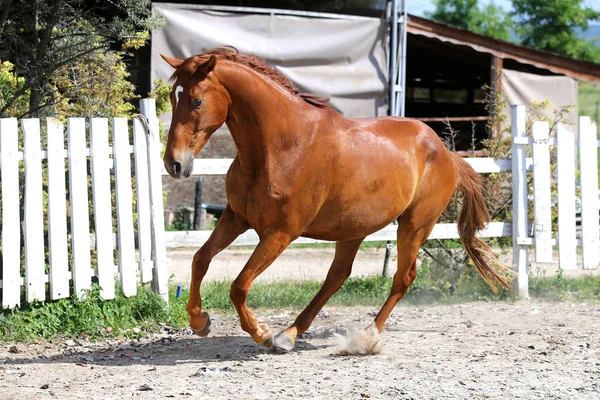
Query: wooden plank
541	192
11	226
33	226
78	187
483	165
101	192
124	202
520	219
567	248
159	250
590	226
250	238
57	211
455	119
142	186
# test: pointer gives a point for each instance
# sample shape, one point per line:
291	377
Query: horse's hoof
204	331
268	343
282	343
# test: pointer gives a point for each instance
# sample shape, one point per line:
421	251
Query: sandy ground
314	263
524	350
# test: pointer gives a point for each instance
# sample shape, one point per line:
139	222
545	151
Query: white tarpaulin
343	59
522	88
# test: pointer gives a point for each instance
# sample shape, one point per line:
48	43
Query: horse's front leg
269	248
229	227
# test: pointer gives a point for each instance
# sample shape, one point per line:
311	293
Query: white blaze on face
178	90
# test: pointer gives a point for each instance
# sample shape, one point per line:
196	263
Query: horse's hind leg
415	225
338	272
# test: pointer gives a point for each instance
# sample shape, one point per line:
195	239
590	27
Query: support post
519	180
198	205
160	275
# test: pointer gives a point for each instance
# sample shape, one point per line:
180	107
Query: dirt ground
527	350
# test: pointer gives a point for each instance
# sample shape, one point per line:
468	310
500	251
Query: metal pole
198	205
403	59
394	58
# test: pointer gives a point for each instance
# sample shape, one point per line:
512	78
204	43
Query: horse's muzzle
179	169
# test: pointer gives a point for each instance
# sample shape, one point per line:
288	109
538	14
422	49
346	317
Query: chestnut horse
302	169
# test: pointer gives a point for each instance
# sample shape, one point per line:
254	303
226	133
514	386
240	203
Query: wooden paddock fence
47	256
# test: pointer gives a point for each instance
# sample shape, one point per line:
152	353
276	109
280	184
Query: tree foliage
491	20
44	39
553	25
548	25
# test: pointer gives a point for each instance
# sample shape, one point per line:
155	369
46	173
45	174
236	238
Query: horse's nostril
177	168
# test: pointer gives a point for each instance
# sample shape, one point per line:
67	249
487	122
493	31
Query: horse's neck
262	117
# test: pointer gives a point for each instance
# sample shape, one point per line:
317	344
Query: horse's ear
208	65
173	62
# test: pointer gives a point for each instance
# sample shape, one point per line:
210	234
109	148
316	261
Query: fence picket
567	245
144	235
101	192
590	226
159	250
33	224
78	187
11	227
519	179
124	201
541	191
57	211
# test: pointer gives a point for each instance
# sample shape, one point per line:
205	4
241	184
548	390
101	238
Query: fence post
519	180
123	199
80	222
541	192
33	225
565	159
144	236
11	226
160	275
590	227
57	211
101	193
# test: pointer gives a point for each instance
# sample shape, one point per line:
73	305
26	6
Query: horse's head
200	105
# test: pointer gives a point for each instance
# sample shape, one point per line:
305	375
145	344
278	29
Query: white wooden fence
66	274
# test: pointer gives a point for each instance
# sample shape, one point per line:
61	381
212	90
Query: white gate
24	165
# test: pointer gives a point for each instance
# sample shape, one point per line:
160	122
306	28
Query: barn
349	52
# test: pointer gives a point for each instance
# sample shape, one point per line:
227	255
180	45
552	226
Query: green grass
589	97
90	317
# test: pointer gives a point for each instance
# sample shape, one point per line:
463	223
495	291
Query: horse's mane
230	53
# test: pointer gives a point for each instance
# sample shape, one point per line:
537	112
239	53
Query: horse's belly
343	221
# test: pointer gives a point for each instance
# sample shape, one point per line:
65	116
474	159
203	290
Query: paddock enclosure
39	268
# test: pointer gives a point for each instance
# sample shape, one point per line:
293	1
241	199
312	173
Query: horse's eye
196	103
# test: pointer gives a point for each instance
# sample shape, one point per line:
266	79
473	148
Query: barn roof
582	70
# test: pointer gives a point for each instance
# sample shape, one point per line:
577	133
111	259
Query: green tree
41	38
553	25
467	14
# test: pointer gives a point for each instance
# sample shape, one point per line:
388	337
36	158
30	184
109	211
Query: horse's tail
472	218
